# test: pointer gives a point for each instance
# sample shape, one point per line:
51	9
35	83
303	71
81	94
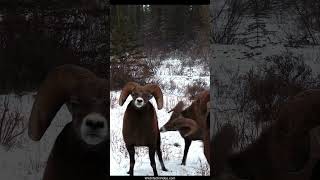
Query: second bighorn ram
190	122
140	122
288	150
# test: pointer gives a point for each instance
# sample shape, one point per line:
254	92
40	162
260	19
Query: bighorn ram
80	151
194	116
140	122
288	150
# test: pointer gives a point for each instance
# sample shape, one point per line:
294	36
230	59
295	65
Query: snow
172	144
245	58
27	160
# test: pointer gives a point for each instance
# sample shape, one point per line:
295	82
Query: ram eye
149	96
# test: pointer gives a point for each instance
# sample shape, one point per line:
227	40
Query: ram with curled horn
191	121
289	149
140	122
80	150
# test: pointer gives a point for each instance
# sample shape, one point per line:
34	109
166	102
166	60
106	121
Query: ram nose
94	129
94	124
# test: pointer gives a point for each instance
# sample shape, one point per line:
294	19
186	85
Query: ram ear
178	108
56	90
155	90
204	98
126	91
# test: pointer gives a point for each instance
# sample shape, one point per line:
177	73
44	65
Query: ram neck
142	115
69	159
72	150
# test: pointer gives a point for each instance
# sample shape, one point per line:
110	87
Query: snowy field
245	58
233	60
172	144
27	160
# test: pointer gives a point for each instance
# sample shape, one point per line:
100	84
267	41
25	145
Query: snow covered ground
231	59
27	160
172	144
236	60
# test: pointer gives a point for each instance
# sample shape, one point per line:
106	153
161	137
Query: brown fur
70	159
284	150
197	111
140	128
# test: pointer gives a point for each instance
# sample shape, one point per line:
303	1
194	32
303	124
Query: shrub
198	86
123	71
172	85
11	125
269	86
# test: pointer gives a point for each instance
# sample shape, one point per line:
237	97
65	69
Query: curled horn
186	123
126	90
56	89
178	108
157	93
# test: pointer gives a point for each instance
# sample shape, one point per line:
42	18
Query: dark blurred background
144	35
36	36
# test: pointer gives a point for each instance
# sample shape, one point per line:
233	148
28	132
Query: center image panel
159	83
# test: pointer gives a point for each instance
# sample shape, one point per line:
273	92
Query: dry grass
204	169
11	125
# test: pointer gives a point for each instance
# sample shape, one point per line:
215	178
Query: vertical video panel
54	90
159	90
265	87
